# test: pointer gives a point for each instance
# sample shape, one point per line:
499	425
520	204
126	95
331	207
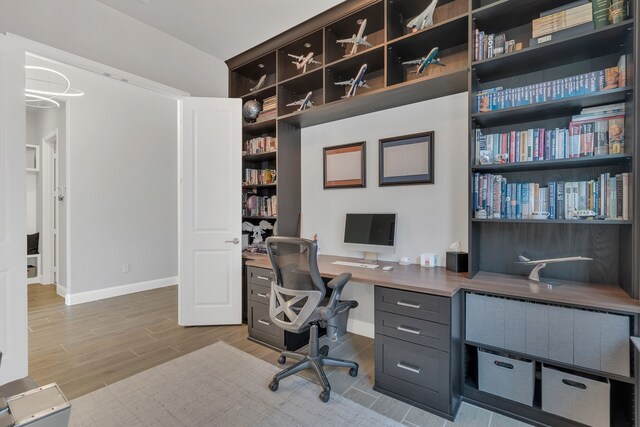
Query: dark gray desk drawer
258	293
413	371
418	331
420	306
260	276
262	328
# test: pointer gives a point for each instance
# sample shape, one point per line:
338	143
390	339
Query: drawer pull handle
409	330
263	278
408	368
502	364
263	295
574	384
264	322
408	304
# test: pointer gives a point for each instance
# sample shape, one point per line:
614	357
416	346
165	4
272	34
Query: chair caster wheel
324	396
353	372
273	385
281	360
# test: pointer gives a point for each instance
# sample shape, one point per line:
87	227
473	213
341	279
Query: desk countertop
439	281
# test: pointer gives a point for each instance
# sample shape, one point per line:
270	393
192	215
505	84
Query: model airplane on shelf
424	62
356	39
539	264
355	82
425	19
303	61
259	85
304	103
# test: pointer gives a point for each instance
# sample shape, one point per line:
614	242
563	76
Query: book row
490	45
253	205
263	144
259	176
587	135
606	197
554	20
583	84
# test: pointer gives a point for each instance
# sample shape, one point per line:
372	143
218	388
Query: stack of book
254	205
490	45
596	131
606	197
263	144
259	176
563	21
583	84
268	108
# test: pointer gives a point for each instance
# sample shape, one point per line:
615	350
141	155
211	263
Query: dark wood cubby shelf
260	186
555	221
267	155
260	217
579	162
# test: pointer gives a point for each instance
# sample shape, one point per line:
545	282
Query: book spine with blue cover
560	200
518	201
552	200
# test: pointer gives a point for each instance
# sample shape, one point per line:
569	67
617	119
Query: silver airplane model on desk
304	103
259	85
424	62
425	19
303	61
356	39
355	82
539	264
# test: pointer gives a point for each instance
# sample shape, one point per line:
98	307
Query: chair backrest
298	287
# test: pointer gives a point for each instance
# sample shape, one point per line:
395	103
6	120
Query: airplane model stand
534	276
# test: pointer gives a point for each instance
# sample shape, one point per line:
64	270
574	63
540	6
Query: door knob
234	241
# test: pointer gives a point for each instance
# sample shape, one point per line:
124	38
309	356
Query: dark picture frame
400	153
344	166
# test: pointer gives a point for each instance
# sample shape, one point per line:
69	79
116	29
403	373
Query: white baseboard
360	327
61	290
116	291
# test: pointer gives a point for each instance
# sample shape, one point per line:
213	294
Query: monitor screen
370	229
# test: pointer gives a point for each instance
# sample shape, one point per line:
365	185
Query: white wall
33	224
94	31
430	217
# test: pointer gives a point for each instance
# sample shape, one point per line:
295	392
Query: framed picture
345	166
406	160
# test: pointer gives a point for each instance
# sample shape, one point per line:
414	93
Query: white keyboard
355	264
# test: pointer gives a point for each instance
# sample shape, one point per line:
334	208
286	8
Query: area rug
218	385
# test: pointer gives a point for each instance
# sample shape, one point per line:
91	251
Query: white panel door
13	215
210	212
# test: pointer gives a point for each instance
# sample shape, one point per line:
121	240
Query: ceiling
222	28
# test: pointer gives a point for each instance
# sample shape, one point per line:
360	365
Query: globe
251	109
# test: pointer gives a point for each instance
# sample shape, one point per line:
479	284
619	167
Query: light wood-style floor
88	346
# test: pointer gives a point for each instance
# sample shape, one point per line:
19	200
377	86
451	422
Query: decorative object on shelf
404	260
425	61
406	160
43	85
260	83
428	260
356	39
539	264
301	61
251	110
257	230
617	11
304	103
344	166
425	19
355	83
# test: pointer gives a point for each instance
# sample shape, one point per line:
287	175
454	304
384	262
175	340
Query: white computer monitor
372	233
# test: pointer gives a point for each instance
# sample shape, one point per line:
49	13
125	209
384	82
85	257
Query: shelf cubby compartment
259	157
349	26
260	96
511	13
247	76
401	12
296	89
302	47
347	69
623	160
451	40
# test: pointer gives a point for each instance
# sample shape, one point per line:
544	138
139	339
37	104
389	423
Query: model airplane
355	82
424	62
425	19
257	230
356	39
304	103
303	61
260	83
542	263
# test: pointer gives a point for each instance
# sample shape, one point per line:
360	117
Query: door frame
50	209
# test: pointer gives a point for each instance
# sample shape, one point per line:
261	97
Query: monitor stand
370	258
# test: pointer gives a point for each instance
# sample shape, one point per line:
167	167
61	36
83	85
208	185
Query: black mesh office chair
298	302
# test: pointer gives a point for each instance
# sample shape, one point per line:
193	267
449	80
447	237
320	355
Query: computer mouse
387	268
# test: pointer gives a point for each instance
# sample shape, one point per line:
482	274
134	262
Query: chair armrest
338	282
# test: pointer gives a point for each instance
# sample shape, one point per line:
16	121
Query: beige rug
217	386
